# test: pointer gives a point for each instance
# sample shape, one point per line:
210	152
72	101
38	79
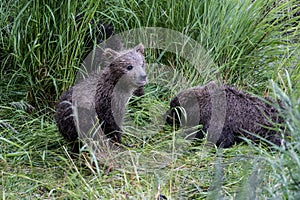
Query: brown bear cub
104	94
226	114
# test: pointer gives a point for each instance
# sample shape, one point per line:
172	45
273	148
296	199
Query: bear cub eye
129	67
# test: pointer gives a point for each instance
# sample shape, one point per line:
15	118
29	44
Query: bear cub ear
140	48
110	55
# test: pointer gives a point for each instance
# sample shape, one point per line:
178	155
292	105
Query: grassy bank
254	46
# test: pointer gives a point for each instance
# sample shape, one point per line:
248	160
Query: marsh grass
42	46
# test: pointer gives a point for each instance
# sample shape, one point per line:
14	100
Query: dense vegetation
254	46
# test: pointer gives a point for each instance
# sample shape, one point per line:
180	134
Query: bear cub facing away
234	114
105	93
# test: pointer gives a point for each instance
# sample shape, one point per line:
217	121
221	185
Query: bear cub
226	114
104	94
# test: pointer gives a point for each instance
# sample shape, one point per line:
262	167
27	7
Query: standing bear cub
226	114
104	94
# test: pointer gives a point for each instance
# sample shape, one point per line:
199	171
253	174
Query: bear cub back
226	114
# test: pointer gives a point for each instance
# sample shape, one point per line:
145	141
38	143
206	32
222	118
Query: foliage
42	46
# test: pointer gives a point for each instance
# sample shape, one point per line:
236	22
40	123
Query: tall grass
42	46
245	39
287	165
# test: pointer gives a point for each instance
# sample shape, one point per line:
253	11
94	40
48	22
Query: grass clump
43	44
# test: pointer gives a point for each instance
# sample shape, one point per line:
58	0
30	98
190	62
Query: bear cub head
127	66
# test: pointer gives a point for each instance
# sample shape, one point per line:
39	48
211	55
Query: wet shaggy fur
126	74
243	114
105	95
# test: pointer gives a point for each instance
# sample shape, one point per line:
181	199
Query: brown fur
115	89
244	115
106	92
